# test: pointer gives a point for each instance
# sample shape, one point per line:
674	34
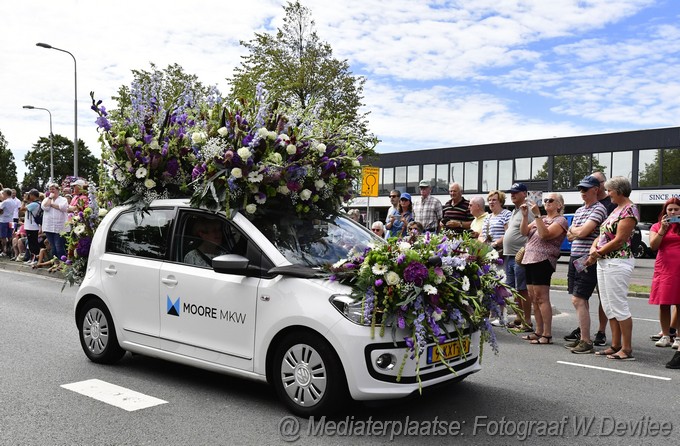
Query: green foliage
568	170
299	71
8	172
37	162
670	169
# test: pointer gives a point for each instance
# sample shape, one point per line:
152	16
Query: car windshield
314	242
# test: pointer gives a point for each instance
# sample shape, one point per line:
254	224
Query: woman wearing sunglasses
545	235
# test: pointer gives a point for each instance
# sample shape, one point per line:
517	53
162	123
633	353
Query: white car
260	311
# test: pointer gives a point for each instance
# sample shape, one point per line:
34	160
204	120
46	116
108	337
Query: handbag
520	255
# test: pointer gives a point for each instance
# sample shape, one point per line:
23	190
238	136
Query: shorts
539	273
5	230
514	274
581	284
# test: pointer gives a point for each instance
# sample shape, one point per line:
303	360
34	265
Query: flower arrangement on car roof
246	155
421	283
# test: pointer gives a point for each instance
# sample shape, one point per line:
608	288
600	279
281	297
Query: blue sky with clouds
439	73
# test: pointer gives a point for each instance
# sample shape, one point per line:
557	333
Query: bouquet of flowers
81	227
420	283
252	155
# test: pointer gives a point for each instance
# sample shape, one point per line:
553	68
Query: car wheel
640	251
98	334
308	376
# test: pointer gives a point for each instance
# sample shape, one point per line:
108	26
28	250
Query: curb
8	265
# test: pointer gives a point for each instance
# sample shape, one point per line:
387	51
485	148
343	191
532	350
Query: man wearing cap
79	200
456	211
585	227
428	211
513	241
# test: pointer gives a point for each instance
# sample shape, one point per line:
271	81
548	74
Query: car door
135	249
204	314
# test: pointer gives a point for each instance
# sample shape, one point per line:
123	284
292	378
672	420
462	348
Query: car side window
201	236
146	236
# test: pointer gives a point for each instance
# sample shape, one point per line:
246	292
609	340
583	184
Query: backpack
38	216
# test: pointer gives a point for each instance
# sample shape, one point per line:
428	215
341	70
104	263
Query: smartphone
535	196
675	219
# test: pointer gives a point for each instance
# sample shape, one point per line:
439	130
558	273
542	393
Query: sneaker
675	362
498	322
583	347
665	341
657	336
574	335
571	345
600	338
676	344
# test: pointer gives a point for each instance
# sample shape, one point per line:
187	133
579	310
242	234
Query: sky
438	73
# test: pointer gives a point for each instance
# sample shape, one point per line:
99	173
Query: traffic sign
369	181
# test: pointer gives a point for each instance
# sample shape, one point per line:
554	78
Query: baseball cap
517	187
588	182
405	196
424	183
79	183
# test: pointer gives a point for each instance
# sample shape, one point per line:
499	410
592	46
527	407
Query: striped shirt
595	212
494	225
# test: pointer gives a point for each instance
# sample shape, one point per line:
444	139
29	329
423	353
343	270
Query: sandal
538	341
532	337
608	352
629	356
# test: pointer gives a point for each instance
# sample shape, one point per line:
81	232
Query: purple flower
400	259
102	122
379	282
83	246
415	273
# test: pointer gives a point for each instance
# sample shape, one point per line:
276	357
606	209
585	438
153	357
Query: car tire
98	333
308	375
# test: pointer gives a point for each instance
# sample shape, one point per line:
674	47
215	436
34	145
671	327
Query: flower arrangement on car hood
420	283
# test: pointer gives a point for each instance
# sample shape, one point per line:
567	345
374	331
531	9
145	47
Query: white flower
223	131
339	263
404	246
79	229
141	172
466	283
251	208
491	255
130	141
392	278
291	149
429	289
319	184
356	163
255	177
379	269
198	137
510	299
275	158
260	199
243	153
236	172
102	212
128	164
501	274
154	145
283	190
305	194
283	138
149	183
321	147
262	132
118	174
436	315
438	278
272	135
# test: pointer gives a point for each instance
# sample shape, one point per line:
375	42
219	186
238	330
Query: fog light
386	361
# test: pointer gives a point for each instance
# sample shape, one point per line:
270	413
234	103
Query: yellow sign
369	181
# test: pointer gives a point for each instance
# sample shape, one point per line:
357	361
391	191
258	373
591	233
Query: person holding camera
55	209
664	237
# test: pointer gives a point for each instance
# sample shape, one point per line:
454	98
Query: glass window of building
562	172
400	178
522	171
489	175
670	170
539	168
456	173
648	168
603	162
442	185
429	174
622	164
386	180
504	175
413	179
471	181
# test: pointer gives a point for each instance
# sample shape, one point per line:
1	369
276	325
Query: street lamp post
30	107
75	104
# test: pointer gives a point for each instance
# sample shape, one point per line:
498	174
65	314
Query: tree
299	72
568	170
670	169
37	162
8	171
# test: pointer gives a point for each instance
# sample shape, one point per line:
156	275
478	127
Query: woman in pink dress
664	237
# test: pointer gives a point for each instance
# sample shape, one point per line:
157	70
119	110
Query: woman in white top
55	209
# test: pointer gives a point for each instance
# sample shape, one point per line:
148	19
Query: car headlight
349	307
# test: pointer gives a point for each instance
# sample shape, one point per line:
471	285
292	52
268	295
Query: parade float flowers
434	286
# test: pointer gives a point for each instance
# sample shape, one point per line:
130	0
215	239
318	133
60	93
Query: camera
674	219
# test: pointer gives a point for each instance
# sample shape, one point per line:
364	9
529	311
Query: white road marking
115	395
663	378
646	320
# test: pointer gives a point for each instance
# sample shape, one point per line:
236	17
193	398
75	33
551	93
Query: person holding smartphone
664	237
55	209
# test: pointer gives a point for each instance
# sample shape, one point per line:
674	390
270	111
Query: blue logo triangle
173	308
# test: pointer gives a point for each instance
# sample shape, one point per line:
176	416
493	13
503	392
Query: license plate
449	350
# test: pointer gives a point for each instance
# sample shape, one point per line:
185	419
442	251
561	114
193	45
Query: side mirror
231	264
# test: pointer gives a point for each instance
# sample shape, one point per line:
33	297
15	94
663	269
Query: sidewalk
8	265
